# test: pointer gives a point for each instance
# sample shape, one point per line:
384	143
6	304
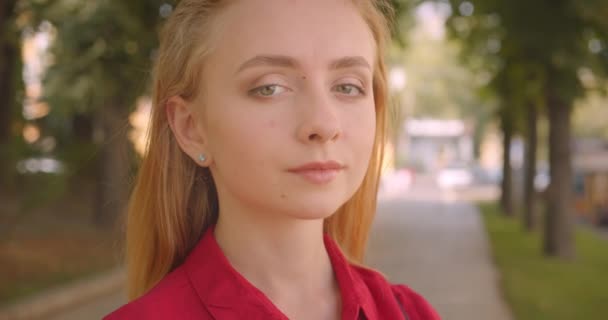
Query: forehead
311	31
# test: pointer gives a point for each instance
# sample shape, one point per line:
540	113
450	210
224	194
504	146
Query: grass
537	287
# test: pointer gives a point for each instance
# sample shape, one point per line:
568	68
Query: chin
314	209
311	215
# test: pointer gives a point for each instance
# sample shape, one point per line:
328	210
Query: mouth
318	172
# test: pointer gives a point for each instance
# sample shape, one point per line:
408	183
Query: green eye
349	89
267	90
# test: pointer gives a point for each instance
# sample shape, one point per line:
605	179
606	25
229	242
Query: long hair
174	200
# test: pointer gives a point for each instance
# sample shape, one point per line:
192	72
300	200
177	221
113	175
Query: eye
268	90
349	89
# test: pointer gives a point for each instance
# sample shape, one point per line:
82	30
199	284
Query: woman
259	187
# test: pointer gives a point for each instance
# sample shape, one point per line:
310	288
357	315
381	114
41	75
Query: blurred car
542	178
40	165
405	176
486	175
455	176
396	181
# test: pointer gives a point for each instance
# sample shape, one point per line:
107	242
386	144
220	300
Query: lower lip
318	176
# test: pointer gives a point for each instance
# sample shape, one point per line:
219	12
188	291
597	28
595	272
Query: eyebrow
288	62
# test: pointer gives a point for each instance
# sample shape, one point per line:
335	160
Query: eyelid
266	80
353	81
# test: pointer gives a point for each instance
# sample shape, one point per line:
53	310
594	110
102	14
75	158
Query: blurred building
590	166
432	144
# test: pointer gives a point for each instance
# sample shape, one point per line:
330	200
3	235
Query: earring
202	157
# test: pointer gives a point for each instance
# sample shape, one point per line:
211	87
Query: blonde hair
174	200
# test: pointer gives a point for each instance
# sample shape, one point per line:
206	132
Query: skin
308	99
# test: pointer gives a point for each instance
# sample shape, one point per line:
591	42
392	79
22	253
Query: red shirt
206	287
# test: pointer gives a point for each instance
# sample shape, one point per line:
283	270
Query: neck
277	255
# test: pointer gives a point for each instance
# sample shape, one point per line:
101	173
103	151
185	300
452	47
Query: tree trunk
531	150
506	199
478	135
114	164
9	55
559	228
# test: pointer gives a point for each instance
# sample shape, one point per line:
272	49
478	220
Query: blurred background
494	196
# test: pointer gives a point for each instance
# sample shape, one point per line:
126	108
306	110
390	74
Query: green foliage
539	288
403	20
532	47
101	56
102	52
439	86
594	13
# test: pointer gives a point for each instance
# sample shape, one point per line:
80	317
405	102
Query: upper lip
325	165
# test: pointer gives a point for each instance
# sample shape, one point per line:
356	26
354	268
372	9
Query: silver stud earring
202	157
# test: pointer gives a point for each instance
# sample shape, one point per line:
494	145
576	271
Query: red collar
226	293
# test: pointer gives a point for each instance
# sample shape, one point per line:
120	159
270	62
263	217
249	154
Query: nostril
313	137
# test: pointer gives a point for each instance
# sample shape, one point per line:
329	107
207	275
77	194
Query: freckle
283	196
303	77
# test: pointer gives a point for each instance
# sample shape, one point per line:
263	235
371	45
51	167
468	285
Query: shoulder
173	297
417	307
409	298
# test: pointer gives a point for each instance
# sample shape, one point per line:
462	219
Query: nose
319	121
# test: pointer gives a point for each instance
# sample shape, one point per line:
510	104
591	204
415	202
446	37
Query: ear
188	129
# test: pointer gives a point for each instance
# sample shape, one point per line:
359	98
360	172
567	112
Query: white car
454	176
397	181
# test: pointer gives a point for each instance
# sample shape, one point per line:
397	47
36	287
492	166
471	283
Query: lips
318	172
328	165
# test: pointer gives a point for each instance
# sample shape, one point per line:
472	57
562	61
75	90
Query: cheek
370	129
242	141
361	130
361	138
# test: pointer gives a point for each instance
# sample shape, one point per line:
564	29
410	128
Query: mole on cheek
283	196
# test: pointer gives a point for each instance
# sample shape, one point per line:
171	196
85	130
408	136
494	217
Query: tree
10	79
530	166
555	38
506	85
102	54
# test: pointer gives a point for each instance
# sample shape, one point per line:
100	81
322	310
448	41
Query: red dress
206	287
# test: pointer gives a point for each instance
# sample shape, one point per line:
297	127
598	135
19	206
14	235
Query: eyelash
256	91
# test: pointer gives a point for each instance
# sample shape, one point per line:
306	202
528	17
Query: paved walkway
438	247
88	299
95	309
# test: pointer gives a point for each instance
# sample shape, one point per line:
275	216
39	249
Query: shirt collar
356	297
227	293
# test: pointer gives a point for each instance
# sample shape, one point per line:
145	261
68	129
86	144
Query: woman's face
289	83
